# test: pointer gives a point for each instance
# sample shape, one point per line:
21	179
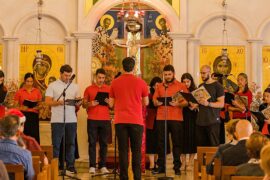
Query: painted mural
152	47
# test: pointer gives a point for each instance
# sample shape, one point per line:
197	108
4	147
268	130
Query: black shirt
208	115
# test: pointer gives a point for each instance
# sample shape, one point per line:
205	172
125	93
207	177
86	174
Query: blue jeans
70	134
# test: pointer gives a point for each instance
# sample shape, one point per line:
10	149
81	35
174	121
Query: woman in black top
189	146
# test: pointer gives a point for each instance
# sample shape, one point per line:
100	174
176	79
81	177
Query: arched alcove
90	21
264	31
210	30
53	30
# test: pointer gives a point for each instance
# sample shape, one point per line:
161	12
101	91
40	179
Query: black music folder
162	99
29	103
72	102
259	115
189	97
229	97
100	97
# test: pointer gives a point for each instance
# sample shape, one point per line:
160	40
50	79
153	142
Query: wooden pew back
247	177
48	150
201	159
227	172
17	170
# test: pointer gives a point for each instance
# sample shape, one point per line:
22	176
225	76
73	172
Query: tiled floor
82	168
84	175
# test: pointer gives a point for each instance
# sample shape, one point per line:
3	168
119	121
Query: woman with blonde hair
254	145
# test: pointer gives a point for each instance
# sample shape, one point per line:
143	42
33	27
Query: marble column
180	55
193	58
11	58
84	79
254	63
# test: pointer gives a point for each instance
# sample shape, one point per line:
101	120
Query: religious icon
41	66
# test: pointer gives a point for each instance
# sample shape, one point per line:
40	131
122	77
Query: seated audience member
236	155
30	142
254	145
3	171
230	132
26	142
10	152
265	161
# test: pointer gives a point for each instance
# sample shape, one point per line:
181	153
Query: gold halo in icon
157	21
107	16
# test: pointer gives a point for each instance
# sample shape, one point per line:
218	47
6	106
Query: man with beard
172	113
208	120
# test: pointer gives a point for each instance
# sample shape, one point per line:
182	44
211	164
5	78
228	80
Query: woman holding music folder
27	99
242	99
264	123
190	116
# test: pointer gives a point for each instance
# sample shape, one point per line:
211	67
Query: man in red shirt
98	124
172	113
128	94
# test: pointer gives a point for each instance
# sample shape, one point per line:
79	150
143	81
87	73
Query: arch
31	15
214	16
2	27
262	27
90	21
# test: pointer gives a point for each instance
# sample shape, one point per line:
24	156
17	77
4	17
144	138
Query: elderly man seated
10	152
236	155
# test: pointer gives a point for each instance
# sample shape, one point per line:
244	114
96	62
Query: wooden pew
208	158
54	168
48	170
227	172
17	170
48	150
216	171
42	175
41	155
201	160
36	165
247	177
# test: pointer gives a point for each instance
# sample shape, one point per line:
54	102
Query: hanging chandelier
132	15
224	50
39	56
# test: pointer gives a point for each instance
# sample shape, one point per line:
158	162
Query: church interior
232	37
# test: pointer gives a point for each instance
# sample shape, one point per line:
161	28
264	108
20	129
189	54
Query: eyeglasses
204	72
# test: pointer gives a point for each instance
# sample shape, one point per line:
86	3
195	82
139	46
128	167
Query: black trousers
132	133
208	135
175	128
98	130
31	125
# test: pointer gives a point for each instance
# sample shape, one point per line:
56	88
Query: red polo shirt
96	112
128	91
173	113
33	95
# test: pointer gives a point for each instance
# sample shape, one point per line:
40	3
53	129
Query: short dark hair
169	67
128	64
100	71
9	125
28	75
2	74
65	68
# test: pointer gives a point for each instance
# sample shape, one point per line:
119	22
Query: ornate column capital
84	35
185	36
8	38
254	40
